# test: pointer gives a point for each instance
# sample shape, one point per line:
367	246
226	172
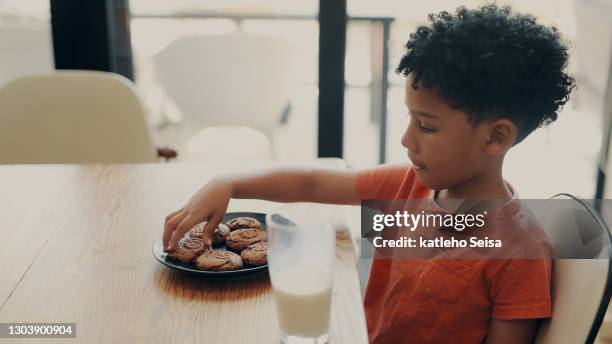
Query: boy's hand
208	204
278	185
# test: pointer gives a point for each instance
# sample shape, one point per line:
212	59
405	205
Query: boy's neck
488	185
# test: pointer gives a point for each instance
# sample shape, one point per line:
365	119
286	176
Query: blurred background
303	83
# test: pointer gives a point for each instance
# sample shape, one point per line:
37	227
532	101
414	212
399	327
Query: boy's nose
408	140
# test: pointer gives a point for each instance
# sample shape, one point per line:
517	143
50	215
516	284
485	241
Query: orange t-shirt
444	301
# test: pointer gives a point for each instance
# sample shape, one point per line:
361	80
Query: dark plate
159	254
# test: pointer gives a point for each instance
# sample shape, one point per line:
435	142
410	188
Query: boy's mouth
417	166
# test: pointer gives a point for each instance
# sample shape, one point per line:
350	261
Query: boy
478	82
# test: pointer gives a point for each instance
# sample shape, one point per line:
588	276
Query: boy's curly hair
491	64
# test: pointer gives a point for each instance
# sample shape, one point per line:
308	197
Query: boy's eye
422	127
425	129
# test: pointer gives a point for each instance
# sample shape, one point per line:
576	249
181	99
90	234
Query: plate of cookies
239	247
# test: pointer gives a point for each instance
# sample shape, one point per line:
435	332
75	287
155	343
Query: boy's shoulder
516	223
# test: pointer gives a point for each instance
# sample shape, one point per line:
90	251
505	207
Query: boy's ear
502	134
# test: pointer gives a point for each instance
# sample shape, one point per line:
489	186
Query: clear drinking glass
301	252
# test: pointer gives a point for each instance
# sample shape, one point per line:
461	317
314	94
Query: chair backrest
73	117
581	276
235	79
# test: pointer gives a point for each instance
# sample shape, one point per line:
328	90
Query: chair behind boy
581	275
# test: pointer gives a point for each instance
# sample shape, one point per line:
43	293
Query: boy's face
444	147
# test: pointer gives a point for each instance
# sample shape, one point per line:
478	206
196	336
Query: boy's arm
512	331
297	185
281	185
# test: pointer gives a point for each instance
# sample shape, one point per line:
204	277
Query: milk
303	300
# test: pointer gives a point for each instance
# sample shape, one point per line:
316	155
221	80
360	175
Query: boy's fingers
169	228
172	214
209	228
182	228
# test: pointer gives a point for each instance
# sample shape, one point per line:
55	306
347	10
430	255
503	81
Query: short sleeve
381	182
521	289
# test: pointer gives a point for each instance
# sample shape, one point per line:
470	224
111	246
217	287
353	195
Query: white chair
73	117
227	80
581	276
235	79
219	144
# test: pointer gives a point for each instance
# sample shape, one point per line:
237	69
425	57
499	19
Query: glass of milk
301	252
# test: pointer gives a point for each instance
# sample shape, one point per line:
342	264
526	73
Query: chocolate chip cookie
188	249
256	254
220	233
219	260
243	222
197	231
239	239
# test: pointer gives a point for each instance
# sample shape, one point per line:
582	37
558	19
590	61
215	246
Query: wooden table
76	247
